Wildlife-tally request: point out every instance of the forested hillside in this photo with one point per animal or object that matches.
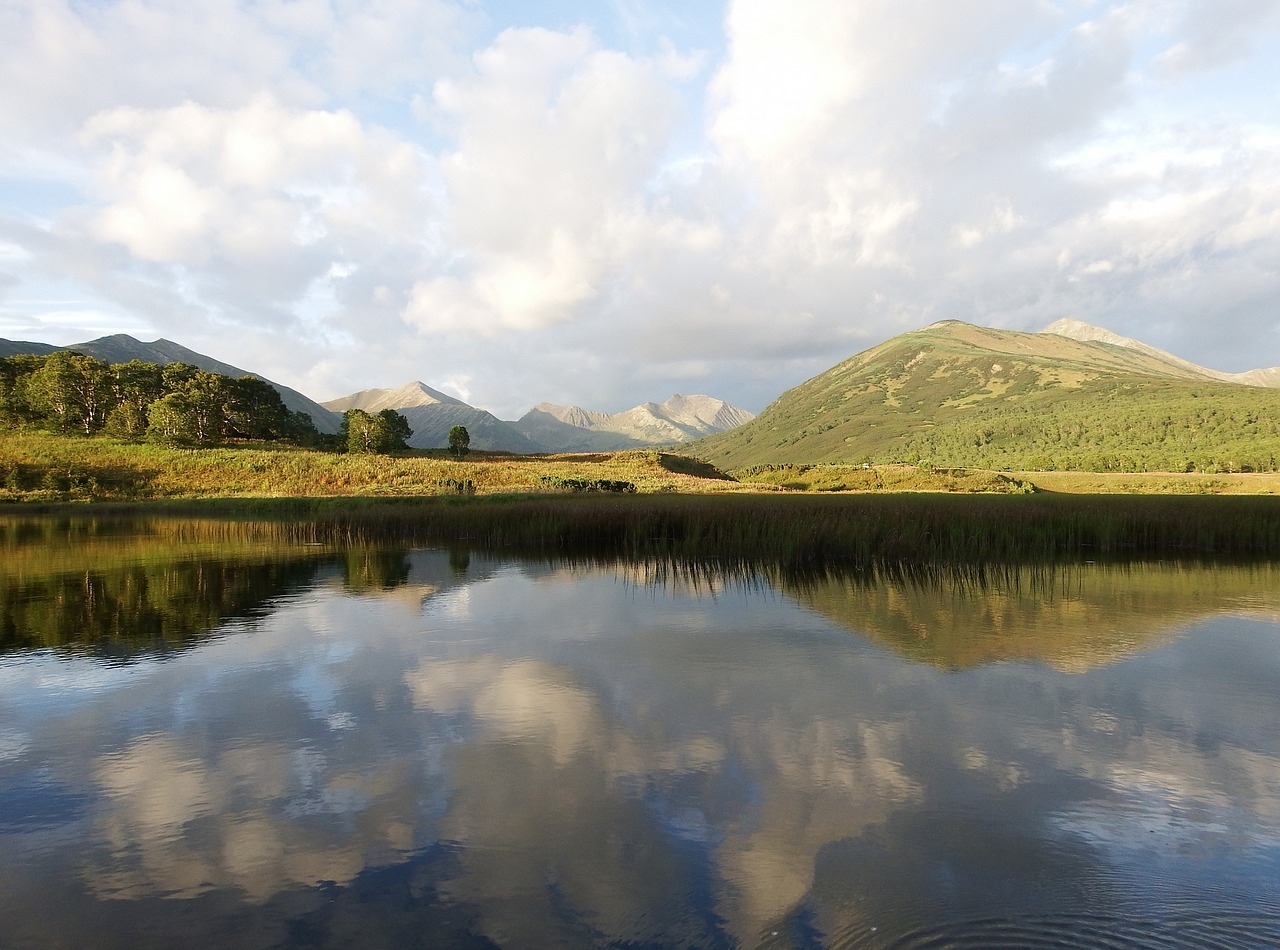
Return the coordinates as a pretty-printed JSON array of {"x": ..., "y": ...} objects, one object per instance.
[{"x": 956, "y": 395}]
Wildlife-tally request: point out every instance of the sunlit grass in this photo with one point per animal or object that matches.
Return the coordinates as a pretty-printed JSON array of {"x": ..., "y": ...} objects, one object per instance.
[{"x": 44, "y": 467}]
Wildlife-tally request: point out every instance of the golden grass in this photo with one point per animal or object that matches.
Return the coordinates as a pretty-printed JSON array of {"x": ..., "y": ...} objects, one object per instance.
[
  {"x": 1153, "y": 483},
  {"x": 40, "y": 467},
  {"x": 44, "y": 467}
]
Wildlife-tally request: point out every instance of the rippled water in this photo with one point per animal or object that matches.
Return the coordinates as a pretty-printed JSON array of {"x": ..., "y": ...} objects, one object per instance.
[{"x": 256, "y": 744}]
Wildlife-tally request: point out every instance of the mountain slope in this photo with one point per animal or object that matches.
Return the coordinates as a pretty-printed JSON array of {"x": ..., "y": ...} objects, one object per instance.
[
  {"x": 1079, "y": 330},
  {"x": 24, "y": 347},
  {"x": 955, "y": 394},
  {"x": 121, "y": 348},
  {"x": 432, "y": 414},
  {"x": 679, "y": 419}
]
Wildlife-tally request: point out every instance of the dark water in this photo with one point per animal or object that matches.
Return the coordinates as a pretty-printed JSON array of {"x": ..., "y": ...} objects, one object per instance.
[{"x": 213, "y": 736}]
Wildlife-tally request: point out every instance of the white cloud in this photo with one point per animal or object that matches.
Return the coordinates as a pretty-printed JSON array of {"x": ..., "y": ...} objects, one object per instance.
[
  {"x": 374, "y": 192},
  {"x": 260, "y": 201},
  {"x": 557, "y": 142},
  {"x": 1215, "y": 33}
]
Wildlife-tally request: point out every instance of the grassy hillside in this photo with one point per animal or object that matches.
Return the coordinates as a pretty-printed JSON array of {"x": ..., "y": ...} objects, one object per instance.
[{"x": 957, "y": 395}]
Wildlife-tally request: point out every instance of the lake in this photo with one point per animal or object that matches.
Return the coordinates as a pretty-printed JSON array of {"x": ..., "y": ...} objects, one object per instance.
[{"x": 212, "y": 734}]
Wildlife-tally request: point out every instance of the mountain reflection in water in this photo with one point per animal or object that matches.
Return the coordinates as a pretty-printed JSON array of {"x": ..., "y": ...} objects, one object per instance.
[{"x": 427, "y": 748}]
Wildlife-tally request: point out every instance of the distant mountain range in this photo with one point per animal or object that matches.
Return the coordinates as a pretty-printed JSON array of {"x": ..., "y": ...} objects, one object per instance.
[
  {"x": 1073, "y": 396},
  {"x": 431, "y": 414},
  {"x": 547, "y": 427},
  {"x": 679, "y": 419}
]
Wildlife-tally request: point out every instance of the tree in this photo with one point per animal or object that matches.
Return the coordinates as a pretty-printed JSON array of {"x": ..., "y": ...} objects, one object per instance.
[
  {"x": 397, "y": 428},
  {"x": 137, "y": 386},
  {"x": 73, "y": 390},
  {"x": 173, "y": 419},
  {"x": 254, "y": 410},
  {"x": 459, "y": 441},
  {"x": 375, "y": 434},
  {"x": 15, "y": 404}
]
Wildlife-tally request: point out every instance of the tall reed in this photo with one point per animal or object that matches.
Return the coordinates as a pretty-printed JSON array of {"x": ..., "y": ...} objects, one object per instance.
[{"x": 792, "y": 530}]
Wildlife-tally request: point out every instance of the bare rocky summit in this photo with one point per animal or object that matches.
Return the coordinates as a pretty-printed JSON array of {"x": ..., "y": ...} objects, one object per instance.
[{"x": 680, "y": 419}]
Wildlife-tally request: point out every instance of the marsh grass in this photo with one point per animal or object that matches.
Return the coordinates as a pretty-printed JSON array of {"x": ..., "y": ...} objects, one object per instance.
[
  {"x": 681, "y": 510},
  {"x": 797, "y": 532}
]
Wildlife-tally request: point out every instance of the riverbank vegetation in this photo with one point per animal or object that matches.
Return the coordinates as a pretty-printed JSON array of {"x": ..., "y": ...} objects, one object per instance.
[{"x": 790, "y": 530}]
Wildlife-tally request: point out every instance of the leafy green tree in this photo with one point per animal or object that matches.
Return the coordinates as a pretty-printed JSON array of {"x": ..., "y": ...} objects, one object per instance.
[
  {"x": 127, "y": 421},
  {"x": 137, "y": 386},
  {"x": 73, "y": 391},
  {"x": 300, "y": 429},
  {"x": 459, "y": 441},
  {"x": 207, "y": 396},
  {"x": 253, "y": 409},
  {"x": 172, "y": 420},
  {"x": 15, "y": 406},
  {"x": 398, "y": 429},
  {"x": 367, "y": 433}
]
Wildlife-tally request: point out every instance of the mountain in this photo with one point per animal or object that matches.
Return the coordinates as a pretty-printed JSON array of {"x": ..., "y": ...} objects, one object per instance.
[
  {"x": 121, "y": 348},
  {"x": 1076, "y": 397},
  {"x": 22, "y": 347},
  {"x": 432, "y": 414},
  {"x": 679, "y": 419},
  {"x": 1079, "y": 330}
]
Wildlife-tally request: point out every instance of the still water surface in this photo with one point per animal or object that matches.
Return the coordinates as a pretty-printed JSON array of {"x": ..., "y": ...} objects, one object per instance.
[{"x": 210, "y": 736}]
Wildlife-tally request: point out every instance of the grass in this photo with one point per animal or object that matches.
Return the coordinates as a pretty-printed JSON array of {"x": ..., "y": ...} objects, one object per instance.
[
  {"x": 791, "y": 531},
  {"x": 1154, "y": 483},
  {"x": 796, "y": 517},
  {"x": 44, "y": 467},
  {"x": 878, "y": 478}
]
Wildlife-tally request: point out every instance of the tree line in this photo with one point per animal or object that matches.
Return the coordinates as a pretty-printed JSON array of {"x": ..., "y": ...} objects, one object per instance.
[
  {"x": 175, "y": 403},
  {"x": 1176, "y": 427}
]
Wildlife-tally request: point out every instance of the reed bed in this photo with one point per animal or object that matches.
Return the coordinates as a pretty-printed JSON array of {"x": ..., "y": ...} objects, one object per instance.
[{"x": 792, "y": 531}]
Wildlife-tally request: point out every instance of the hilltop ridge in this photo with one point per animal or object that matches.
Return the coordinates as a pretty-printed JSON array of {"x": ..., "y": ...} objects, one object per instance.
[{"x": 1079, "y": 330}]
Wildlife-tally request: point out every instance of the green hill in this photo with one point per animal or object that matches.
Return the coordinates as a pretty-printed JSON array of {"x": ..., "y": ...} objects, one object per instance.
[{"x": 953, "y": 395}]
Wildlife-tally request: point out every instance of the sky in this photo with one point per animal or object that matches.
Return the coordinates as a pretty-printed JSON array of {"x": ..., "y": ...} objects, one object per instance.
[{"x": 604, "y": 202}]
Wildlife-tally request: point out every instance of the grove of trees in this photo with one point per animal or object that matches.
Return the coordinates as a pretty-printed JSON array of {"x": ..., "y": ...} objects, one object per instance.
[{"x": 178, "y": 404}]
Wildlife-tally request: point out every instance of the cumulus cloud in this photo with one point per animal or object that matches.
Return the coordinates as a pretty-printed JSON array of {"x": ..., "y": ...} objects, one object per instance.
[
  {"x": 420, "y": 192},
  {"x": 189, "y": 183},
  {"x": 557, "y": 140}
]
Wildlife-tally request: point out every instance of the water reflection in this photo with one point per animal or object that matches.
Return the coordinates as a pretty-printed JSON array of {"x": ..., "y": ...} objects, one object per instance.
[
  {"x": 425, "y": 748},
  {"x": 1072, "y": 616}
]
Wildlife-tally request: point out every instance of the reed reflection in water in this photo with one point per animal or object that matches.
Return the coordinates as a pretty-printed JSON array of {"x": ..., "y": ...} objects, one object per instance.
[{"x": 444, "y": 749}]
